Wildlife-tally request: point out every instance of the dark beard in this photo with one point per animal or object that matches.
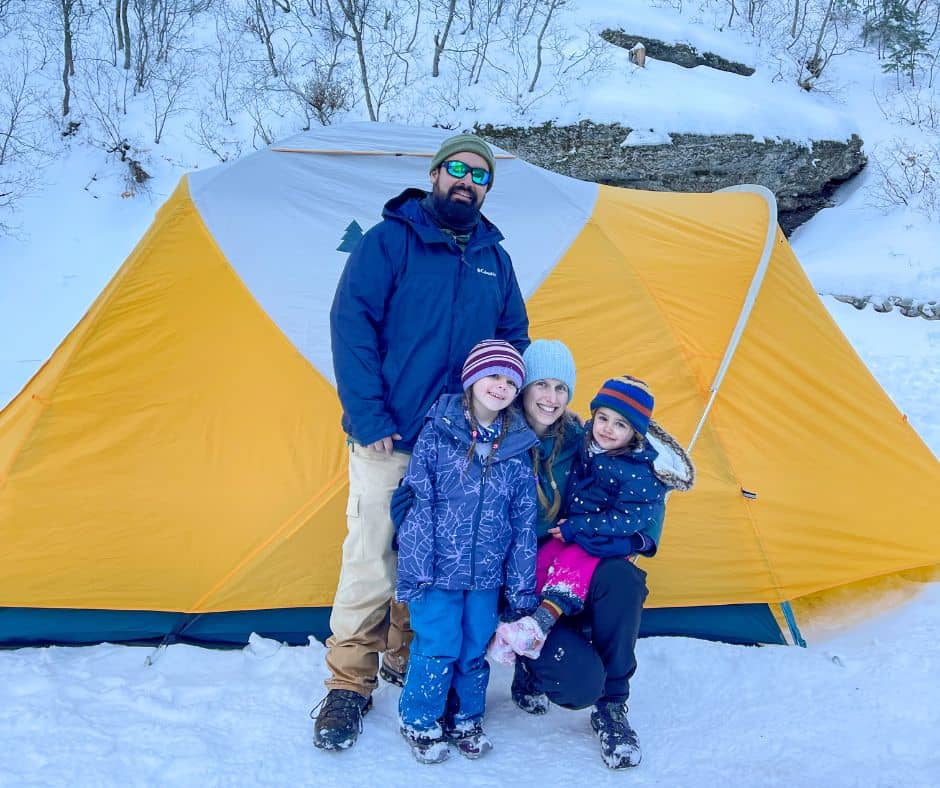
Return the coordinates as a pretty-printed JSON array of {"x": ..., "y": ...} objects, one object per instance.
[{"x": 458, "y": 216}]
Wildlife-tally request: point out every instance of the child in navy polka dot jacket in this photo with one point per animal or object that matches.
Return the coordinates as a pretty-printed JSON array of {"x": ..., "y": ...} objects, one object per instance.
[{"x": 614, "y": 509}]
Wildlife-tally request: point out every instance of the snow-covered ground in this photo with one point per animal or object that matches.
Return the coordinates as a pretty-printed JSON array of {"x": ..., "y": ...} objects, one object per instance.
[{"x": 859, "y": 707}]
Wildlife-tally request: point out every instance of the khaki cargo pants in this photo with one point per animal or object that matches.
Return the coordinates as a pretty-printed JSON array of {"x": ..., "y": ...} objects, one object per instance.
[{"x": 365, "y": 619}]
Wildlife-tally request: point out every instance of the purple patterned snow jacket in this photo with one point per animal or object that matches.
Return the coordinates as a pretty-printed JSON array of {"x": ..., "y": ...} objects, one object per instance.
[{"x": 471, "y": 527}]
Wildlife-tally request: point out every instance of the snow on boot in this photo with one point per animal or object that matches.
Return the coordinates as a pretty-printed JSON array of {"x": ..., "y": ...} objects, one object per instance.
[
  {"x": 339, "y": 721},
  {"x": 427, "y": 746},
  {"x": 469, "y": 739},
  {"x": 620, "y": 748},
  {"x": 524, "y": 693},
  {"x": 390, "y": 673}
]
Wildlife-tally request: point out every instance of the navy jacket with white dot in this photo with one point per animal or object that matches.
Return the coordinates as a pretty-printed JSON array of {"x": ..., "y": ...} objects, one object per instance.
[{"x": 615, "y": 504}]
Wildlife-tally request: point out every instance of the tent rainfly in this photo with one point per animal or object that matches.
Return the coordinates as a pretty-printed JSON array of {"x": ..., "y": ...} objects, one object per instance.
[{"x": 176, "y": 469}]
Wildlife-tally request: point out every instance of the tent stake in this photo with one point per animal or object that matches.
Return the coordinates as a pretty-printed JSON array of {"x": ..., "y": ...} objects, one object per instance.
[{"x": 791, "y": 622}]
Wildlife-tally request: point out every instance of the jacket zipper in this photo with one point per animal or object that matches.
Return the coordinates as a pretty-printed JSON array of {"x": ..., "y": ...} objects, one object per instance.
[
  {"x": 476, "y": 526},
  {"x": 454, "y": 308}
]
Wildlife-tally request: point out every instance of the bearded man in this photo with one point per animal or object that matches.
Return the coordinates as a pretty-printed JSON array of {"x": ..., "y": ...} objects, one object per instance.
[{"x": 421, "y": 288}]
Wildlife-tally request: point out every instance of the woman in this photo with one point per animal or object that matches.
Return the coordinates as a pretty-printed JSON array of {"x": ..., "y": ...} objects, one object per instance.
[{"x": 587, "y": 659}]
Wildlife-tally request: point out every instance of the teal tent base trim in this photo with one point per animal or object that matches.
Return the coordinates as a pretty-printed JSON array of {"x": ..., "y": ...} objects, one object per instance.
[
  {"x": 742, "y": 624},
  {"x": 745, "y": 625},
  {"x": 43, "y": 627}
]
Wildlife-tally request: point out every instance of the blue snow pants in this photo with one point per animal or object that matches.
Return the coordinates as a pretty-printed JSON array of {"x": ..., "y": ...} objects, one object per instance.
[{"x": 447, "y": 670}]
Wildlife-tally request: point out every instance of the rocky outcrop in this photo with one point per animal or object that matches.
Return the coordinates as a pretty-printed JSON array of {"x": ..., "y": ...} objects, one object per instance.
[
  {"x": 803, "y": 177},
  {"x": 909, "y": 307},
  {"x": 684, "y": 55}
]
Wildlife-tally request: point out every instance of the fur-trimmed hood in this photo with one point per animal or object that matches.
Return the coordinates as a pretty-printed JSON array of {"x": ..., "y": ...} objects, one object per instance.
[{"x": 672, "y": 465}]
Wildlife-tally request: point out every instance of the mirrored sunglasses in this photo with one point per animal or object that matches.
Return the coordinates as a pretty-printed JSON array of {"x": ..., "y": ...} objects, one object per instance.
[{"x": 457, "y": 169}]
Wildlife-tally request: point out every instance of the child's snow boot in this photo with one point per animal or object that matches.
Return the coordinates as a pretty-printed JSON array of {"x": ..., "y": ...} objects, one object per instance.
[
  {"x": 427, "y": 746},
  {"x": 524, "y": 693},
  {"x": 620, "y": 748},
  {"x": 469, "y": 739}
]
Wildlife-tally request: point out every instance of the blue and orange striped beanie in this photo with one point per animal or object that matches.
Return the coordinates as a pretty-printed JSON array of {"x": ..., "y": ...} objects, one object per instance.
[{"x": 629, "y": 397}]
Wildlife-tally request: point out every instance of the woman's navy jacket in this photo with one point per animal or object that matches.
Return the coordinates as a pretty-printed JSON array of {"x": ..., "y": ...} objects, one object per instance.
[
  {"x": 469, "y": 528},
  {"x": 408, "y": 308}
]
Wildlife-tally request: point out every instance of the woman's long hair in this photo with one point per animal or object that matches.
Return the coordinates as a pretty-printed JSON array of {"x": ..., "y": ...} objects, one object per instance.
[{"x": 556, "y": 431}]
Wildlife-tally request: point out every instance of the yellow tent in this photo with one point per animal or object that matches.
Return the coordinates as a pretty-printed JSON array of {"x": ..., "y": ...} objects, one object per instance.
[{"x": 177, "y": 466}]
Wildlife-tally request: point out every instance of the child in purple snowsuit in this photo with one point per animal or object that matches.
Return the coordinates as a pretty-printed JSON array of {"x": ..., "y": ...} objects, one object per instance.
[{"x": 468, "y": 537}]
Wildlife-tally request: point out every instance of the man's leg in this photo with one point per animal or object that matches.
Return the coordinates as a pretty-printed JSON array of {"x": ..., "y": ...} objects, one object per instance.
[
  {"x": 367, "y": 578},
  {"x": 395, "y": 659}
]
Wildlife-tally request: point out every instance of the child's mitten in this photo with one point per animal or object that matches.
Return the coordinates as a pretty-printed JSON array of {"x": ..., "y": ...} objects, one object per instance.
[
  {"x": 500, "y": 651},
  {"x": 524, "y": 636}
]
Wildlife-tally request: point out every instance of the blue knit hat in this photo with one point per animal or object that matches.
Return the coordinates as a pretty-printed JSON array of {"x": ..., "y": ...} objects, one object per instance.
[
  {"x": 549, "y": 358},
  {"x": 629, "y": 397}
]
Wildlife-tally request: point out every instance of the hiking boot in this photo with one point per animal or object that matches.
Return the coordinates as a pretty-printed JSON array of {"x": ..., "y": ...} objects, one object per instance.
[
  {"x": 523, "y": 691},
  {"x": 339, "y": 721},
  {"x": 391, "y": 673},
  {"x": 620, "y": 748},
  {"x": 469, "y": 739},
  {"x": 427, "y": 746}
]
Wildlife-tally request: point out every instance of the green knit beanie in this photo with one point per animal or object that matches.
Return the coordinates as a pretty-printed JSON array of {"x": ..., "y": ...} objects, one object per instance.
[{"x": 465, "y": 143}]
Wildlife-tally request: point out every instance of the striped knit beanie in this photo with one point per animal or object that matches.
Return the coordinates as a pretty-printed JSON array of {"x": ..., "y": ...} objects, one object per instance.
[
  {"x": 493, "y": 357},
  {"x": 629, "y": 397}
]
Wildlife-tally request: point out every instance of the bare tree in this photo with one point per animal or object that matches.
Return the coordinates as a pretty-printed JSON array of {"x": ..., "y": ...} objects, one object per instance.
[
  {"x": 22, "y": 153},
  {"x": 167, "y": 89},
  {"x": 356, "y": 13},
  {"x": 260, "y": 24},
  {"x": 815, "y": 64},
  {"x": 162, "y": 25},
  {"x": 440, "y": 38},
  {"x": 123, "y": 28},
  {"x": 67, "y": 10},
  {"x": 104, "y": 93},
  {"x": 550, "y": 7}
]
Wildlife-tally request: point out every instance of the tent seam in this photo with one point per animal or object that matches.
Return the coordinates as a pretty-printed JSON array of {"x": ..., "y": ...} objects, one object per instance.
[
  {"x": 260, "y": 548},
  {"x": 309, "y": 507}
]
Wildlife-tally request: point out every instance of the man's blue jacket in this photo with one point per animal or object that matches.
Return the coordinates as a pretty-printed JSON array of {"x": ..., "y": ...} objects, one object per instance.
[{"x": 408, "y": 308}]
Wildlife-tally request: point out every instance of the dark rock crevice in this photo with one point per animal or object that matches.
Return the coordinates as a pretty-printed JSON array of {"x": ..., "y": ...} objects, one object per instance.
[{"x": 802, "y": 177}]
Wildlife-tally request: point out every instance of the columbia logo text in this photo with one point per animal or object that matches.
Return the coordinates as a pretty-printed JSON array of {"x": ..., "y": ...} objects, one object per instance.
[{"x": 485, "y": 272}]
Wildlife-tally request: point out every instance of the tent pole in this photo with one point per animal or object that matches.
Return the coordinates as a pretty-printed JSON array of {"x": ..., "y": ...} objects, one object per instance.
[
  {"x": 758, "y": 279},
  {"x": 791, "y": 622}
]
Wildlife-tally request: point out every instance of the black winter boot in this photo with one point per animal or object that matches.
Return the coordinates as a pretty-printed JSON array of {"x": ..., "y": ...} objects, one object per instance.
[
  {"x": 339, "y": 721},
  {"x": 620, "y": 748},
  {"x": 523, "y": 691}
]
